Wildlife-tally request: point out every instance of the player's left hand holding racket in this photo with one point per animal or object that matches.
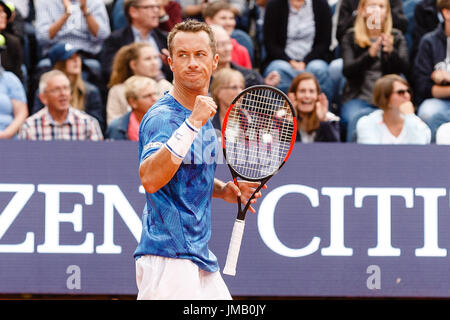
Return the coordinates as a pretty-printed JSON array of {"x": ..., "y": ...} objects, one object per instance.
[{"x": 258, "y": 134}]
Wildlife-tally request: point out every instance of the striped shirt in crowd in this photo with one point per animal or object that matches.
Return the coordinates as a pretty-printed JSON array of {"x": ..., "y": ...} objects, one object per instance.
[{"x": 77, "y": 126}]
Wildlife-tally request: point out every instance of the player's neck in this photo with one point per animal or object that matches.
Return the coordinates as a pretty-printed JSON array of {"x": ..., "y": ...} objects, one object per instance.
[{"x": 185, "y": 96}]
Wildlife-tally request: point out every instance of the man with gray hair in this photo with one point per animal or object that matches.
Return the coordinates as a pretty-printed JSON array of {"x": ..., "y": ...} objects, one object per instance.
[{"x": 58, "y": 120}]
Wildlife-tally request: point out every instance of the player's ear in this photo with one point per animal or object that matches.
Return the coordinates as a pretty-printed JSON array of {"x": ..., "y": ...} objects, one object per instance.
[{"x": 170, "y": 62}]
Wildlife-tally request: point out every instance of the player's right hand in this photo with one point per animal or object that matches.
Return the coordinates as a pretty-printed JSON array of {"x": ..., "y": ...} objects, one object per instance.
[{"x": 204, "y": 108}]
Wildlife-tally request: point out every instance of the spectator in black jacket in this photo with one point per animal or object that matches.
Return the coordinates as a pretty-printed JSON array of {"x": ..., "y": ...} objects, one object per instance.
[
  {"x": 297, "y": 37},
  {"x": 346, "y": 19},
  {"x": 432, "y": 73},
  {"x": 143, "y": 22},
  {"x": 348, "y": 12},
  {"x": 426, "y": 19},
  {"x": 370, "y": 50},
  {"x": 12, "y": 54}
]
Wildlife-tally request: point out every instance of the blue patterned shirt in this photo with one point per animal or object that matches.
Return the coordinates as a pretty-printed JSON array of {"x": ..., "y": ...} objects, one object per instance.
[{"x": 176, "y": 221}]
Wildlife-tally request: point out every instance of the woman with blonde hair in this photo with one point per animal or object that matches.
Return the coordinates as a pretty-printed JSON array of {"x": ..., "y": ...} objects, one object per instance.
[
  {"x": 137, "y": 58},
  {"x": 227, "y": 83},
  {"x": 371, "y": 49},
  {"x": 394, "y": 122}
]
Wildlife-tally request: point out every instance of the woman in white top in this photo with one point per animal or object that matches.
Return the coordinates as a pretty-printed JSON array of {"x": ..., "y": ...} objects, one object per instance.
[{"x": 395, "y": 122}]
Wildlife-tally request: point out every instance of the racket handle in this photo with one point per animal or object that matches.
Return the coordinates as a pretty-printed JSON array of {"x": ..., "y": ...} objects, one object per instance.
[{"x": 235, "y": 246}]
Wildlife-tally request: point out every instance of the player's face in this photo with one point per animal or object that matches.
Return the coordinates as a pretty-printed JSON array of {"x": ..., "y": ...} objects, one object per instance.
[
  {"x": 57, "y": 94},
  {"x": 306, "y": 96},
  {"x": 147, "y": 63},
  {"x": 192, "y": 60}
]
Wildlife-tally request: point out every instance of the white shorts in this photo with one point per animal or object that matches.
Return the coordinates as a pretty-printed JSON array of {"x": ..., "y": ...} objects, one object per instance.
[{"x": 161, "y": 278}]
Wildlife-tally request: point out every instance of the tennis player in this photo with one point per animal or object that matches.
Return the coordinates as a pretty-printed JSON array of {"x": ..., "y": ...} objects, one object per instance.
[{"x": 172, "y": 259}]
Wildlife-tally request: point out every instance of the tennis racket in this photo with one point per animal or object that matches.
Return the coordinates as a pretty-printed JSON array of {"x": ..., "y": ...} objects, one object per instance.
[{"x": 258, "y": 134}]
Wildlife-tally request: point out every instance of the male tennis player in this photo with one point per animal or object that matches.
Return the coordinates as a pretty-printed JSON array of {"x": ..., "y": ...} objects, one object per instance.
[{"x": 177, "y": 146}]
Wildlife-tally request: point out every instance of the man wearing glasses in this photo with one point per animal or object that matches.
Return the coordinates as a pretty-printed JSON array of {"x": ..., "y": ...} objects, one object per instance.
[
  {"x": 143, "y": 22},
  {"x": 58, "y": 120}
]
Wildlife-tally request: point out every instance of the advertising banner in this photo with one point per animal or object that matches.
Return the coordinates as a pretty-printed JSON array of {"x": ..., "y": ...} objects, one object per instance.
[{"x": 338, "y": 220}]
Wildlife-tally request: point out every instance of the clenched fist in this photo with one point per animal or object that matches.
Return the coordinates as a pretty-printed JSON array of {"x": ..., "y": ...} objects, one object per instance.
[{"x": 204, "y": 108}]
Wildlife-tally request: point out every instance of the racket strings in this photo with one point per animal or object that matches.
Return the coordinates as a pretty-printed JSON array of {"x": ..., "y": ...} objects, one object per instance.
[{"x": 258, "y": 133}]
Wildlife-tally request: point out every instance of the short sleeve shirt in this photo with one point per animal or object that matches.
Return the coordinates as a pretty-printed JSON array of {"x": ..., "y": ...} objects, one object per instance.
[{"x": 176, "y": 221}]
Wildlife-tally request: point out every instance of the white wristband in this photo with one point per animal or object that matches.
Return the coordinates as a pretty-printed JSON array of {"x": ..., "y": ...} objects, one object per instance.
[{"x": 181, "y": 140}]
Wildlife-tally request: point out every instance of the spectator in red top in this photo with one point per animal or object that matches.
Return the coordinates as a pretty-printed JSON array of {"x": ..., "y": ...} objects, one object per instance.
[{"x": 222, "y": 14}]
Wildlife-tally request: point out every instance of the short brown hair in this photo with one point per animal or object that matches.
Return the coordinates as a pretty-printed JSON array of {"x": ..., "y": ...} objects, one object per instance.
[
  {"x": 442, "y": 4},
  {"x": 383, "y": 89},
  {"x": 194, "y": 26},
  {"x": 127, "y": 4},
  {"x": 212, "y": 8}
]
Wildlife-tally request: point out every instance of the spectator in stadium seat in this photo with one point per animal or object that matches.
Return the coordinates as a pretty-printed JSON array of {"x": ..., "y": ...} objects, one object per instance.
[
  {"x": 221, "y": 13},
  {"x": 85, "y": 95},
  {"x": 143, "y": 22},
  {"x": 370, "y": 50},
  {"x": 58, "y": 120},
  {"x": 297, "y": 37},
  {"x": 194, "y": 8},
  {"x": 394, "y": 122},
  {"x": 11, "y": 48},
  {"x": 346, "y": 15},
  {"x": 314, "y": 122},
  {"x": 426, "y": 19},
  {"x": 170, "y": 14},
  {"x": 82, "y": 23},
  {"x": 13, "y": 104},
  {"x": 432, "y": 73},
  {"x": 251, "y": 76},
  {"x": 227, "y": 83},
  {"x": 349, "y": 10},
  {"x": 138, "y": 58},
  {"x": 140, "y": 93}
]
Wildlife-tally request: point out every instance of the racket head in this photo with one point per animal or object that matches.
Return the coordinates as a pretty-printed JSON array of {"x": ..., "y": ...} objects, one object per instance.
[{"x": 258, "y": 132}]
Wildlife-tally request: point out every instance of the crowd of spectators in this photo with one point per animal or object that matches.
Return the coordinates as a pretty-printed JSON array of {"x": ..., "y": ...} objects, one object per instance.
[{"x": 364, "y": 71}]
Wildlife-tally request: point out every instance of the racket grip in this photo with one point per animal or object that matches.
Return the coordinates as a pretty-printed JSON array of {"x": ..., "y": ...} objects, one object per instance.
[{"x": 235, "y": 246}]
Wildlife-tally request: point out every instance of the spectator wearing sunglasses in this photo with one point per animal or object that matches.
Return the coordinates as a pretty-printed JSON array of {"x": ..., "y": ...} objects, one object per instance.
[{"x": 394, "y": 122}]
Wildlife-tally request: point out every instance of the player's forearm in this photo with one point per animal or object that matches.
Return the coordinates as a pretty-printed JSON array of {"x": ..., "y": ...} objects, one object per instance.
[{"x": 158, "y": 169}]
